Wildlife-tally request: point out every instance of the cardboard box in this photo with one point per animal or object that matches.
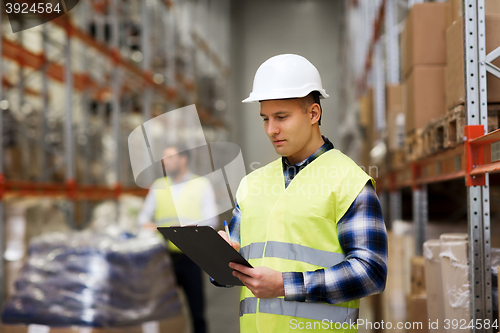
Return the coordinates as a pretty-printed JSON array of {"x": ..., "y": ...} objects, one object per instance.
[
  {"x": 423, "y": 41},
  {"x": 424, "y": 96},
  {"x": 417, "y": 313},
  {"x": 366, "y": 122},
  {"x": 455, "y": 76},
  {"x": 455, "y": 10},
  {"x": 433, "y": 282},
  {"x": 395, "y": 117},
  {"x": 455, "y": 277},
  {"x": 171, "y": 325},
  {"x": 394, "y": 98},
  {"x": 417, "y": 276}
]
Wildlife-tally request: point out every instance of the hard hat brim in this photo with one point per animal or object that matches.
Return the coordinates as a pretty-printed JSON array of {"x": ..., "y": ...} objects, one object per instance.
[{"x": 253, "y": 98}]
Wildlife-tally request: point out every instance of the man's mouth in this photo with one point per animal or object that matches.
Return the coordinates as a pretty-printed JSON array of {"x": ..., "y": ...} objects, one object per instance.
[{"x": 278, "y": 142}]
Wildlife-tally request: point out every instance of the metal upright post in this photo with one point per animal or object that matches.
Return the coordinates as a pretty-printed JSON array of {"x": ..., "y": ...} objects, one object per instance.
[
  {"x": 170, "y": 47},
  {"x": 396, "y": 211},
  {"x": 477, "y": 195},
  {"x": 23, "y": 139},
  {"x": 379, "y": 88},
  {"x": 391, "y": 42},
  {"x": 68, "y": 131},
  {"x": 45, "y": 110},
  {"x": 420, "y": 217},
  {"x": 84, "y": 12},
  {"x": 116, "y": 96},
  {"x": 146, "y": 61},
  {"x": 392, "y": 77},
  {"x": 2, "y": 180}
]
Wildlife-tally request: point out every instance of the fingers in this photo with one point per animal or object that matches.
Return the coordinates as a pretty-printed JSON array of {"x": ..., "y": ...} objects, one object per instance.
[
  {"x": 241, "y": 268},
  {"x": 224, "y": 235},
  {"x": 236, "y": 245}
]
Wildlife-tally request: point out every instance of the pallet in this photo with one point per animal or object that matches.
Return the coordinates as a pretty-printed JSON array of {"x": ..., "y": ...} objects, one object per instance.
[
  {"x": 414, "y": 145},
  {"x": 397, "y": 159},
  {"x": 493, "y": 117},
  {"x": 432, "y": 137},
  {"x": 454, "y": 124}
]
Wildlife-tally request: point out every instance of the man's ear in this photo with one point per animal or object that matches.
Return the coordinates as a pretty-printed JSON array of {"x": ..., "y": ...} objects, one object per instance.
[{"x": 315, "y": 113}]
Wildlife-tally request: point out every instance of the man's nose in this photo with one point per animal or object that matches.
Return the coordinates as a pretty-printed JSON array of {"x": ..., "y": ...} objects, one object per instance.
[{"x": 272, "y": 128}]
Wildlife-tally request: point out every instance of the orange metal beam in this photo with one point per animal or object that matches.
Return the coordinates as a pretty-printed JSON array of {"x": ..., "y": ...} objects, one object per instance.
[
  {"x": 473, "y": 155},
  {"x": 26, "y": 58},
  {"x": 71, "y": 190}
]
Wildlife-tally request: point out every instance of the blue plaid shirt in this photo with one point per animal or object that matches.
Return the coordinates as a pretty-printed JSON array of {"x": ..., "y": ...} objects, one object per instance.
[{"x": 363, "y": 238}]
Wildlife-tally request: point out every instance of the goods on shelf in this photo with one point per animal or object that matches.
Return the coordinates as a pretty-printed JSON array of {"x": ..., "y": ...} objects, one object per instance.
[
  {"x": 398, "y": 285},
  {"x": 366, "y": 122},
  {"x": 455, "y": 91},
  {"x": 455, "y": 278},
  {"x": 414, "y": 145},
  {"x": 170, "y": 325},
  {"x": 423, "y": 38},
  {"x": 424, "y": 96},
  {"x": 100, "y": 279},
  {"x": 395, "y": 117},
  {"x": 417, "y": 313},
  {"x": 417, "y": 299},
  {"x": 432, "y": 266},
  {"x": 417, "y": 276}
]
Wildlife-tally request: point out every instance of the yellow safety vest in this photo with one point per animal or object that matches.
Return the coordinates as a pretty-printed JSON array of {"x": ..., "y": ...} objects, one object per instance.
[
  {"x": 188, "y": 205},
  {"x": 295, "y": 230}
]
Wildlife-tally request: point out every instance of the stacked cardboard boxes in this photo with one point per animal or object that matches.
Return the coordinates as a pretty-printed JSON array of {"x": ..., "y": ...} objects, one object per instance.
[
  {"x": 417, "y": 300},
  {"x": 398, "y": 285},
  {"x": 395, "y": 123},
  {"x": 446, "y": 279},
  {"x": 366, "y": 122},
  {"x": 423, "y": 64}
]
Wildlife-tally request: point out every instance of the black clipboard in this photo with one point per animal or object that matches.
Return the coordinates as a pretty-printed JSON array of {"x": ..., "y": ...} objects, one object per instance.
[{"x": 208, "y": 250}]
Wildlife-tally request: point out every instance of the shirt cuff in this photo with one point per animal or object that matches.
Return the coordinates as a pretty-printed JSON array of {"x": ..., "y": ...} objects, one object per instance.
[{"x": 293, "y": 282}]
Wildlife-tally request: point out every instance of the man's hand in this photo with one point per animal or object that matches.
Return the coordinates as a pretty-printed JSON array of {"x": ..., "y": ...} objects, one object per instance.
[
  {"x": 235, "y": 245},
  {"x": 262, "y": 281}
]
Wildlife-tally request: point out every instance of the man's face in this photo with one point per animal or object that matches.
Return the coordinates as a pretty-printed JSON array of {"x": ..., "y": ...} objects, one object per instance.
[
  {"x": 172, "y": 161},
  {"x": 287, "y": 125}
]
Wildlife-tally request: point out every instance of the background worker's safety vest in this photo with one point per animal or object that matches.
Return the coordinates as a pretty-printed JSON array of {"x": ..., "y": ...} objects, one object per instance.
[
  {"x": 295, "y": 230},
  {"x": 189, "y": 203}
]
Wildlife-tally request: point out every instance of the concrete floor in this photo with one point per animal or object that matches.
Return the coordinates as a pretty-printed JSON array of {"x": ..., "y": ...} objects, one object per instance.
[{"x": 221, "y": 308}]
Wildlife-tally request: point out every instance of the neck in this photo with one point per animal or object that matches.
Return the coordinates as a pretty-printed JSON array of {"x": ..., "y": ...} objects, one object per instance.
[
  {"x": 314, "y": 144},
  {"x": 178, "y": 176}
]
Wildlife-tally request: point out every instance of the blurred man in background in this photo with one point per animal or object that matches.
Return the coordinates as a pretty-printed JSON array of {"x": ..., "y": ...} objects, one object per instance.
[{"x": 194, "y": 204}]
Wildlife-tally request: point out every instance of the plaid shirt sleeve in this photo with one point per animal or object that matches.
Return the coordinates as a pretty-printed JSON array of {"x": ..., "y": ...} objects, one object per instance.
[{"x": 363, "y": 237}]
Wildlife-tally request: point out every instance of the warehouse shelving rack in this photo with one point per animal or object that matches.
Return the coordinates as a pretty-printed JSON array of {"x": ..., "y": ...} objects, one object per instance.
[
  {"x": 472, "y": 160},
  {"x": 125, "y": 77}
]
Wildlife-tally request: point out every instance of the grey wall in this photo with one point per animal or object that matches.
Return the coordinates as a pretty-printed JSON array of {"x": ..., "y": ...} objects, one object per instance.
[{"x": 262, "y": 29}]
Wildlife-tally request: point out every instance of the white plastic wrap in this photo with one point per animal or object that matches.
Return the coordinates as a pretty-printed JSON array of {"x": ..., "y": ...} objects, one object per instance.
[{"x": 93, "y": 279}]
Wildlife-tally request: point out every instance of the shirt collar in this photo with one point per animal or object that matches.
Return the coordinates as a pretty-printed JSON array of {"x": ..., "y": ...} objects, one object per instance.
[{"x": 323, "y": 149}]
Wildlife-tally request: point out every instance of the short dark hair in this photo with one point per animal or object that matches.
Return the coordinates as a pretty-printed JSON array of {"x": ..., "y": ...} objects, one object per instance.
[{"x": 311, "y": 98}]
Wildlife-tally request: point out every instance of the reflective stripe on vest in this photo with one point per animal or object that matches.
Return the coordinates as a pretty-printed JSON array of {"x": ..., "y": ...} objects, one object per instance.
[
  {"x": 292, "y": 252},
  {"x": 313, "y": 311}
]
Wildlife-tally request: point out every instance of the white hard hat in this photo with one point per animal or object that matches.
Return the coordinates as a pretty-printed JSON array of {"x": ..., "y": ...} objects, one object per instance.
[{"x": 285, "y": 76}]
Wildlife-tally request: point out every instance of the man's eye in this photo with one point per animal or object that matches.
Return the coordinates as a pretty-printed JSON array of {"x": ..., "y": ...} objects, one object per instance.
[
  {"x": 281, "y": 117},
  {"x": 265, "y": 119}
]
